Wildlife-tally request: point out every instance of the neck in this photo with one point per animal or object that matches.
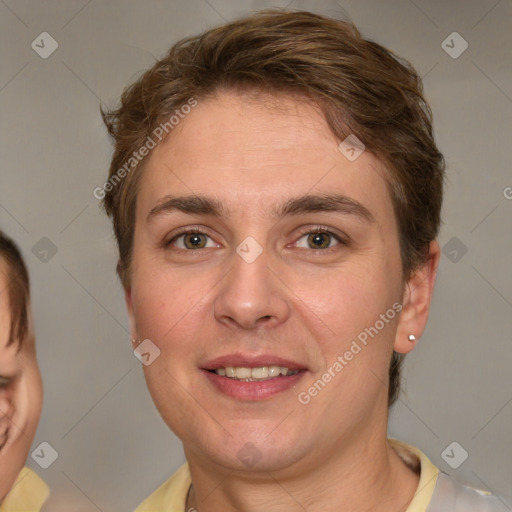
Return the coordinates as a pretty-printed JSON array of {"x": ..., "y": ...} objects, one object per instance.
[{"x": 358, "y": 476}]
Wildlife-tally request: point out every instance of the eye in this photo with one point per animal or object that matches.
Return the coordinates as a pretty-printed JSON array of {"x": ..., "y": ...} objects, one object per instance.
[
  {"x": 5, "y": 382},
  {"x": 191, "y": 239},
  {"x": 319, "y": 238}
]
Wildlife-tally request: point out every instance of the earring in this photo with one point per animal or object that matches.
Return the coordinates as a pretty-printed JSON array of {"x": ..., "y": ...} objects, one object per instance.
[{"x": 412, "y": 338}]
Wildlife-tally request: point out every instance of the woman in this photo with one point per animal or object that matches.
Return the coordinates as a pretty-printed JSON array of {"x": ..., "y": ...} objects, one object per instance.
[
  {"x": 275, "y": 191},
  {"x": 20, "y": 386}
]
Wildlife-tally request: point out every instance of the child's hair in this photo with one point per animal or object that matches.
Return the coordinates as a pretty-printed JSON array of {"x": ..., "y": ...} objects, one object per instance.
[{"x": 17, "y": 288}]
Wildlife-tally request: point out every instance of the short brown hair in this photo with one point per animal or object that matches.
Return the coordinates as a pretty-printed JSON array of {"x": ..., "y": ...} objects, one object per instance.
[
  {"x": 361, "y": 88},
  {"x": 17, "y": 288}
]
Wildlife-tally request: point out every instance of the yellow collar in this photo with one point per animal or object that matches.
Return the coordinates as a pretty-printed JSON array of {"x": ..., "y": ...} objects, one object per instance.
[
  {"x": 428, "y": 474},
  {"x": 28, "y": 493}
]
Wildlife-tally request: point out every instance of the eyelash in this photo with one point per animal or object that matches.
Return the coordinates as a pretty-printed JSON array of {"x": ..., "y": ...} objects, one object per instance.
[{"x": 306, "y": 231}]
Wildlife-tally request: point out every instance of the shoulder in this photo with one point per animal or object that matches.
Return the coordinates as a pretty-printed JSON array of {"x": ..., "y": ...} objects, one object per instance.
[
  {"x": 452, "y": 495},
  {"x": 171, "y": 495}
]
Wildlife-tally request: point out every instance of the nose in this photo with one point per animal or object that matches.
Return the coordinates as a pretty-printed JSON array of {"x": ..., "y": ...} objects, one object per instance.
[{"x": 251, "y": 295}]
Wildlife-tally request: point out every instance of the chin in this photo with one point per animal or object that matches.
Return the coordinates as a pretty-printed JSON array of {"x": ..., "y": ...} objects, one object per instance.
[
  {"x": 251, "y": 459},
  {"x": 252, "y": 451}
]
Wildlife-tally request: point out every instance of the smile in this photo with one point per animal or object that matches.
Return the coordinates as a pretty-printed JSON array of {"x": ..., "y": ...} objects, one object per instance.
[{"x": 260, "y": 373}]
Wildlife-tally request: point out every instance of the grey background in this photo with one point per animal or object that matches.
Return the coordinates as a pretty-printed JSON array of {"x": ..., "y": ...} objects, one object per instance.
[{"x": 113, "y": 448}]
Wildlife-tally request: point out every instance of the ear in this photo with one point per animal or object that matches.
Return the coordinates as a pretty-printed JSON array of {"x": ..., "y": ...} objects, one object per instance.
[
  {"x": 131, "y": 314},
  {"x": 416, "y": 301}
]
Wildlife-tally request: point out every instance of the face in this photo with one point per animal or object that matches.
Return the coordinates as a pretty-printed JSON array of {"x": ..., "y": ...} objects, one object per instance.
[
  {"x": 259, "y": 246},
  {"x": 20, "y": 394}
]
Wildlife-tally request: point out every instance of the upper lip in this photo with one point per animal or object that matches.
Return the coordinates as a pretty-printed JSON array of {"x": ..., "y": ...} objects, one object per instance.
[{"x": 251, "y": 361}]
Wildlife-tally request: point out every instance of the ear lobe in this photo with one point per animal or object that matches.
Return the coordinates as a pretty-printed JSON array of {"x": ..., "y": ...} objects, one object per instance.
[{"x": 416, "y": 302}]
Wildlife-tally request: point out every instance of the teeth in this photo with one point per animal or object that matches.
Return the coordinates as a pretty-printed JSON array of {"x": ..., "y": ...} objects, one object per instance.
[
  {"x": 252, "y": 374},
  {"x": 259, "y": 373},
  {"x": 243, "y": 373},
  {"x": 274, "y": 371}
]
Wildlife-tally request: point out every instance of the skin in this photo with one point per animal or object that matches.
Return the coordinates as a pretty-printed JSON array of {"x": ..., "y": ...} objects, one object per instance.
[
  {"x": 294, "y": 301},
  {"x": 20, "y": 396}
]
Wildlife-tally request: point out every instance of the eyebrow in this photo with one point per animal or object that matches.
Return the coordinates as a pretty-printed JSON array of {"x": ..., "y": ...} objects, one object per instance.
[{"x": 203, "y": 205}]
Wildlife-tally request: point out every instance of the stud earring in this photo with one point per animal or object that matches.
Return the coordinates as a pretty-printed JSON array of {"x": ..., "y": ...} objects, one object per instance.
[{"x": 412, "y": 338}]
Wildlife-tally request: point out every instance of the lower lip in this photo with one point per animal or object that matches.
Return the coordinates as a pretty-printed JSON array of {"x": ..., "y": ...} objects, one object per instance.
[{"x": 255, "y": 390}]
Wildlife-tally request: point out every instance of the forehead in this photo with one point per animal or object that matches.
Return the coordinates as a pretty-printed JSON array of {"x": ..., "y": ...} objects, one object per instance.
[
  {"x": 5, "y": 311},
  {"x": 250, "y": 151}
]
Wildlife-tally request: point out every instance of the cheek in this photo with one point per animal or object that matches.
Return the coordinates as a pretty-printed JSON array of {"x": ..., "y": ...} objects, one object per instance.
[
  {"x": 35, "y": 385},
  {"x": 27, "y": 402},
  {"x": 171, "y": 307},
  {"x": 346, "y": 300},
  {"x": 5, "y": 417},
  {"x": 162, "y": 303},
  {"x": 21, "y": 410},
  {"x": 343, "y": 311}
]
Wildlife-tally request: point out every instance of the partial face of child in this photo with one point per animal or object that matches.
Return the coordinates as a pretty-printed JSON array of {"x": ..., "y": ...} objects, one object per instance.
[{"x": 20, "y": 392}]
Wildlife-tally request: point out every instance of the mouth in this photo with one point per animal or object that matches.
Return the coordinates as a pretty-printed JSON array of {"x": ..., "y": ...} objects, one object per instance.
[{"x": 250, "y": 378}]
